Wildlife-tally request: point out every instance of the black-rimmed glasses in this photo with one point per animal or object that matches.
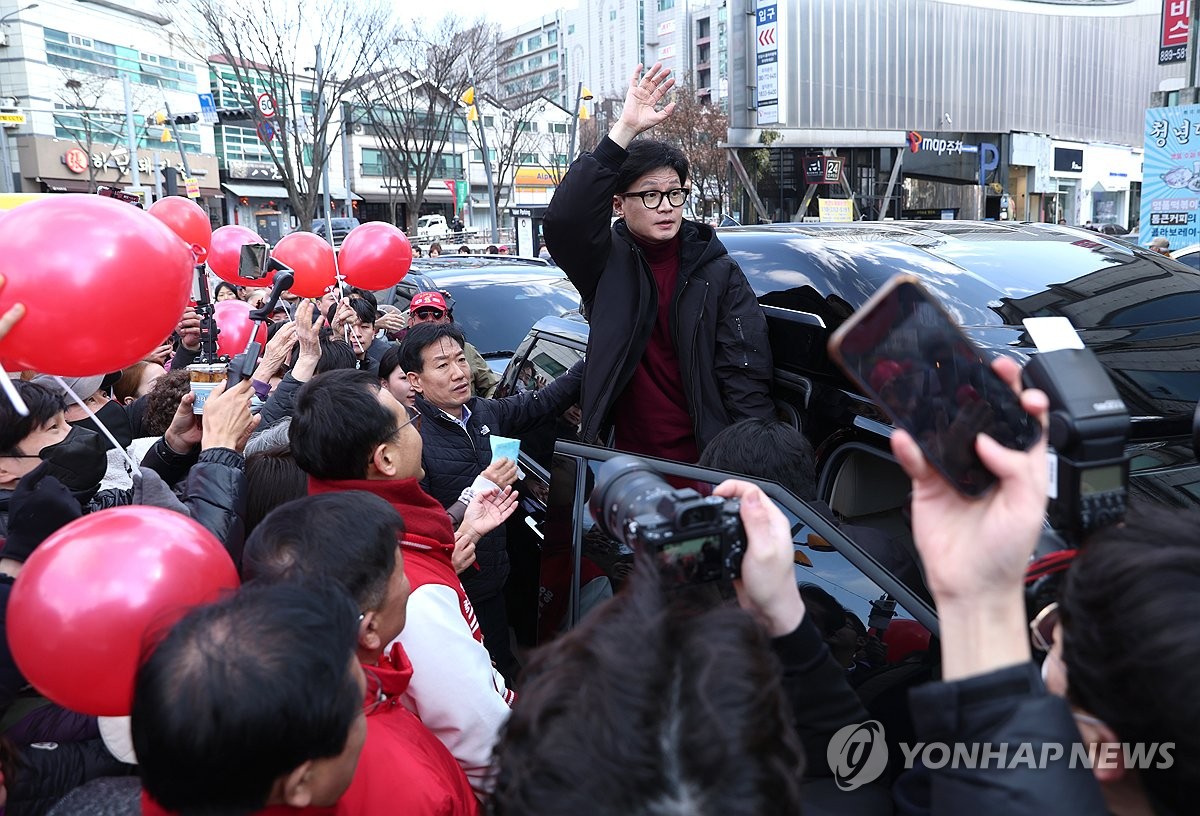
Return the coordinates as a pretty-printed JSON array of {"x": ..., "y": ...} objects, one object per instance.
[{"x": 652, "y": 198}]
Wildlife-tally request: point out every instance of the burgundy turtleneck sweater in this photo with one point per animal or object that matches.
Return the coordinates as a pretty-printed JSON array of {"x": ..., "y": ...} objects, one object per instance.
[{"x": 651, "y": 415}]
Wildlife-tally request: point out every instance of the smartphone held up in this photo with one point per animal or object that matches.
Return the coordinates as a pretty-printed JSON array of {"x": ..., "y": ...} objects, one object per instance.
[{"x": 909, "y": 356}]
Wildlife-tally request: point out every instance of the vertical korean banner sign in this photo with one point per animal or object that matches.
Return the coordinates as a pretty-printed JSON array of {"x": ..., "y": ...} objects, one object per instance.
[{"x": 1171, "y": 176}]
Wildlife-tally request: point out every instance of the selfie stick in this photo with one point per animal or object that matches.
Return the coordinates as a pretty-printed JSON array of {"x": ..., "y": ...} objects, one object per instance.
[
  {"x": 208, "y": 319},
  {"x": 243, "y": 365}
]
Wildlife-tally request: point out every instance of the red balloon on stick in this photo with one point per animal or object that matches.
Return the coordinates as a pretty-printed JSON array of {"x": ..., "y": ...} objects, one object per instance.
[
  {"x": 90, "y": 594},
  {"x": 129, "y": 272},
  {"x": 186, "y": 219},
  {"x": 225, "y": 255},
  {"x": 375, "y": 255},
  {"x": 234, "y": 324},
  {"x": 311, "y": 258}
]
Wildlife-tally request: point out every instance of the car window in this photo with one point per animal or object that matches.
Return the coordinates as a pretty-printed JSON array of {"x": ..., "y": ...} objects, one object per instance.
[
  {"x": 498, "y": 314},
  {"x": 546, "y": 360},
  {"x": 818, "y": 561},
  {"x": 1191, "y": 260}
]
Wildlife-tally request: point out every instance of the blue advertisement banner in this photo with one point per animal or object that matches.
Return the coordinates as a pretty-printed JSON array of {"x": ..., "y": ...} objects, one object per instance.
[{"x": 1171, "y": 176}]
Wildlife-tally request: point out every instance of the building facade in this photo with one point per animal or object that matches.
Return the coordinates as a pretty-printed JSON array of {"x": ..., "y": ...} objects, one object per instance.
[
  {"x": 905, "y": 92},
  {"x": 66, "y": 64},
  {"x": 529, "y": 62}
]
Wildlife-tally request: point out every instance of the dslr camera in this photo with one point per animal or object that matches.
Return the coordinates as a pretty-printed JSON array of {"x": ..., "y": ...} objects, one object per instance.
[{"x": 695, "y": 539}]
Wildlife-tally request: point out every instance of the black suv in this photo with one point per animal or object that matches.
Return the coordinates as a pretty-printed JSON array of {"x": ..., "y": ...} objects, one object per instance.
[{"x": 1137, "y": 310}]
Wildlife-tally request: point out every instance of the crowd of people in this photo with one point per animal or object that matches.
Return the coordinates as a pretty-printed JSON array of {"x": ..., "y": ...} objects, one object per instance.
[{"x": 367, "y": 664}]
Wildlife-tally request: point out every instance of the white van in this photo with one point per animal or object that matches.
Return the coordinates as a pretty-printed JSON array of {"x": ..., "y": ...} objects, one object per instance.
[{"x": 432, "y": 226}]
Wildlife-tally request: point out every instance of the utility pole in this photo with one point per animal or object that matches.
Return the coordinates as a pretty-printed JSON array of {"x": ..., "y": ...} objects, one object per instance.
[
  {"x": 135, "y": 175},
  {"x": 580, "y": 96},
  {"x": 347, "y": 154},
  {"x": 487, "y": 164},
  {"x": 319, "y": 154}
]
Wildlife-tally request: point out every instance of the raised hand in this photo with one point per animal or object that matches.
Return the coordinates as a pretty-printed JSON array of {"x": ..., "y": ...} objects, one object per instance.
[
  {"x": 488, "y": 510},
  {"x": 641, "y": 111}
]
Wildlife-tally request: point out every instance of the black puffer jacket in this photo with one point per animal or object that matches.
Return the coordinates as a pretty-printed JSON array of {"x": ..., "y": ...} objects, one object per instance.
[
  {"x": 214, "y": 493},
  {"x": 453, "y": 456},
  {"x": 719, "y": 330}
]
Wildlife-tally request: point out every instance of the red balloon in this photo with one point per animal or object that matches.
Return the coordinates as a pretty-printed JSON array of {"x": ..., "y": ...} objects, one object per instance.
[
  {"x": 188, "y": 220},
  {"x": 103, "y": 282},
  {"x": 89, "y": 597},
  {"x": 311, "y": 258},
  {"x": 375, "y": 255},
  {"x": 225, "y": 254},
  {"x": 234, "y": 325}
]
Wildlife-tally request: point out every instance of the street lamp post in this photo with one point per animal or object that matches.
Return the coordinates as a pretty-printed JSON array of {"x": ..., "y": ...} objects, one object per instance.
[
  {"x": 581, "y": 94},
  {"x": 6, "y": 168}
]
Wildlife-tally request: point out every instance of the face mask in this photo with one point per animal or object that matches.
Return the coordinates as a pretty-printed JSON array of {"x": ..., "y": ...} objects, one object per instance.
[
  {"x": 112, "y": 415},
  {"x": 79, "y": 461}
]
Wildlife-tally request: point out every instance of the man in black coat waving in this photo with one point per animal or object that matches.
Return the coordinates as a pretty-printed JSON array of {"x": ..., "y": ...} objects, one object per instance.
[
  {"x": 456, "y": 428},
  {"x": 678, "y": 347}
]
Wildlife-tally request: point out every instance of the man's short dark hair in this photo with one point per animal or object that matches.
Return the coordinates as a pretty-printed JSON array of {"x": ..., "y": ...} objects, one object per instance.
[
  {"x": 350, "y": 536},
  {"x": 390, "y": 360},
  {"x": 648, "y": 155},
  {"x": 367, "y": 295},
  {"x": 242, "y": 692},
  {"x": 1132, "y": 658},
  {"x": 44, "y": 404},
  {"x": 336, "y": 354},
  {"x": 337, "y": 423},
  {"x": 422, "y": 336},
  {"x": 765, "y": 449},
  {"x": 692, "y": 702}
]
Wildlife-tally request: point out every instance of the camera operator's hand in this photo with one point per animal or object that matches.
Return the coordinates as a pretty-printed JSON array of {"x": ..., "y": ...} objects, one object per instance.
[
  {"x": 975, "y": 551},
  {"x": 308, "y": 337},
  {"x": 640, "y": 112},
  {"x": 501, "y": 472},
  {"x": 189, "y": 329},
  {"x": 276, "y": 353},
  {"x": 185, "y": 431},
  {"x": 767, "y": 588},
  {"x": 160, "y": 354},
  {"x": 228, "y": 421}
]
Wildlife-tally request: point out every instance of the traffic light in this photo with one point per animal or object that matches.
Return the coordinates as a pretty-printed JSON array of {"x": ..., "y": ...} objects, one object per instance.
[
  {"x": 187, "y": 118},
  {"x": 235, "y": 114}
]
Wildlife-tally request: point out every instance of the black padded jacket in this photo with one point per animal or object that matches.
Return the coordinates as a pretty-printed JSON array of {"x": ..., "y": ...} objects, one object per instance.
[
  {"x": 720, "y": 331},
  {"x": 453, "y": 456}
]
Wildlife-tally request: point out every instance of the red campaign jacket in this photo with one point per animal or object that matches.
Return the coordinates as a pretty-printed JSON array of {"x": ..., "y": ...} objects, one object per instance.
[
  {"x": 403, "y": 767},
  {"x": 455, "y": 690}
]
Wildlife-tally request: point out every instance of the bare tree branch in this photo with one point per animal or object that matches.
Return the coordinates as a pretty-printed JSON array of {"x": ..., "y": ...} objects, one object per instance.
[
  {"x": 270, "y": 46},
  {"x": 410, "y": 100}
]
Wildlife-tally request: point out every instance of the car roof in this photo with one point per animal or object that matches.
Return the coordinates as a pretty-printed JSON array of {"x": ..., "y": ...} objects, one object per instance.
[
  {"x": 1139, "y": 311},
  {"x": 573, "y": 327},
  {"x": 467, "y": 270}
]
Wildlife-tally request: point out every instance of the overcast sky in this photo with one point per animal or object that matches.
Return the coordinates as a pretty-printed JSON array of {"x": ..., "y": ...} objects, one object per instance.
[{"x": 506, "y": 13}]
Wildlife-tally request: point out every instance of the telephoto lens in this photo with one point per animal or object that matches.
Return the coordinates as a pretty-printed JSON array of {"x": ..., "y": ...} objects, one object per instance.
[{"x": 625, "y": 489}]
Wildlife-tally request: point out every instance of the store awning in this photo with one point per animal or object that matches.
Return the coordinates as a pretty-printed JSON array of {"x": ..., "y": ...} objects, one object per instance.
[{"x": 251, "y": 190}]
